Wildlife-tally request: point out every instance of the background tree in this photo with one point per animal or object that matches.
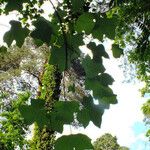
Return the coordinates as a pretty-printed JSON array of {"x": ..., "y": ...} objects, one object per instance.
[
  {"x": 13, "y": 130},
  {"x": 107, "y": 142},
  {"x": 146, "y": 112}
]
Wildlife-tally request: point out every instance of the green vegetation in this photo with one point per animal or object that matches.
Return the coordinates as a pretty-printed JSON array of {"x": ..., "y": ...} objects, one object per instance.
[
  {"x": 108, "y": 142},
  {"x": 62, "y": 34},
  {"x": 13, "y": 128}
]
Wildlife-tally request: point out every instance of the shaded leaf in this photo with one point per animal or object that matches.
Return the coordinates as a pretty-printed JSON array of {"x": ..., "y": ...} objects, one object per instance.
[
  {"x": 16, "y": 33},
  {"x": 91, "y": 67},
  {"x": 77, "y": 5},
  {"x": 43, "y": 31},
  {"x": 95, "y": 112},
  {"x": 104, "y": 79},
  {"x": 58, "y": 57},
  {"x": 74, "y": 41},
  {"x": 63, "y": 113},
  {"x": 85, "y": 23},
  {"x": 105, "y": 26},
  {"x": 117, "y": 51},
  {"x": 34, "y": 112},
  {"x": 98, "y": 51},
  {"x": 14, "y": 5},
  {"x": 100, "y": 91},
  {"x": 71, "y": 142},
  {"x": 83, "y": 117}
]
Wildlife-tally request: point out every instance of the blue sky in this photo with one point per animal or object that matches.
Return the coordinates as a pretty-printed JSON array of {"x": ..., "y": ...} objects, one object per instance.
[{"x": 141, "y": 143}]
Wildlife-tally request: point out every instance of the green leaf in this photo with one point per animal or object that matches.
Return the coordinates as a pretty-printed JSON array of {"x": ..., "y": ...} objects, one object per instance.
[
  {"x": 85, "y": 23},
  {"x": 91, "y": 67},
  {"x": 58, "y": 57},
  {"x": 14, "y": 5},
  {"x": 105, "y": 26},
  {"x": 63, "y": 113},
  {"x": 71, "y": 142},
  {"x": 83, "y": 117},
  {"x": 74, "y": 41},
  {"x": 95, "y": 112},
  {"x": 117, "y": 51},
  {"x": 98, "y": 51},
  {"x": 77, "y": 5},
  {"x": 43, "y": 31},
  {"x": 16, "y": 33},
  {"x": 109, "y": 99},
  {"x": 101, "y": 91},
  {"x": 103, "y": 79},
  {"x": 34, "y": 112}
]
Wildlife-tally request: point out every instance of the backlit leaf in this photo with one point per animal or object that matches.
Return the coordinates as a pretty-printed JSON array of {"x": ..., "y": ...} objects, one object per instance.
[
  {"x": 58, "y": 57},
  {"x": 117, "y": 51},
  {"x": 95, "y": 112},
  {"x": 101, "y": 91},
  {"x": 91, "y": 67},
  {"x": 34, "y": 113},
  {"x": 63, "y": 114},
  {"x": 73, "y": 142},
  {"x": 98, "y": 51},
  {"x": 43, "y": 30},
  {"x": 77, "y": 5},
  {"x": 83, "y": 117},
  {"x": 105, "y": 26},
  {"x": 14, "y": 5},
  {"x": 85, "y": 23},
  {"x": 16, "y": 33}
]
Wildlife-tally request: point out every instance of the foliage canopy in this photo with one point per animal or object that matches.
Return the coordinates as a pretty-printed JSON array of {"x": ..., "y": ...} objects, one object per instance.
[{"x": 64, "y": 33}]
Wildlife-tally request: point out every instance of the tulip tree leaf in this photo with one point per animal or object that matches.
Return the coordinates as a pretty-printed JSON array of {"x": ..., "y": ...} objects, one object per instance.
[
  {"x": 101, "y": 91},
  {"x": 16, "y": 33},
  {"x": 63, "y": 113},
  {"x": 98, "y": 51},
  {"x": 91, "y": 67},
  {"x": 117, "y": 51},
  {"x": 85, "y": 23},
  {"x": 58, "y": 57},
  {"x": 74, "y": 141},
  {"x": 34, "y": 113},
  {"x": 105, "y": 26},
  {"x": 83, "y": 117},
  {"x": 43, "y": 31},
  {"x": 94, "y": 112},
  {"x": 14, "y": 5},
  {"x": 77, "y": 5}
]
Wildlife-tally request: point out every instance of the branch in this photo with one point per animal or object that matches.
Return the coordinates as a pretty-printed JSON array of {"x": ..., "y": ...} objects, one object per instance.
[{"x": 64, "y": 34}]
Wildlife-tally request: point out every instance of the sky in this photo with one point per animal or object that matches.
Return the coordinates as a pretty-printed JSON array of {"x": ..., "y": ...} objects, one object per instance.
[{"x": 123, "y": 120}]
